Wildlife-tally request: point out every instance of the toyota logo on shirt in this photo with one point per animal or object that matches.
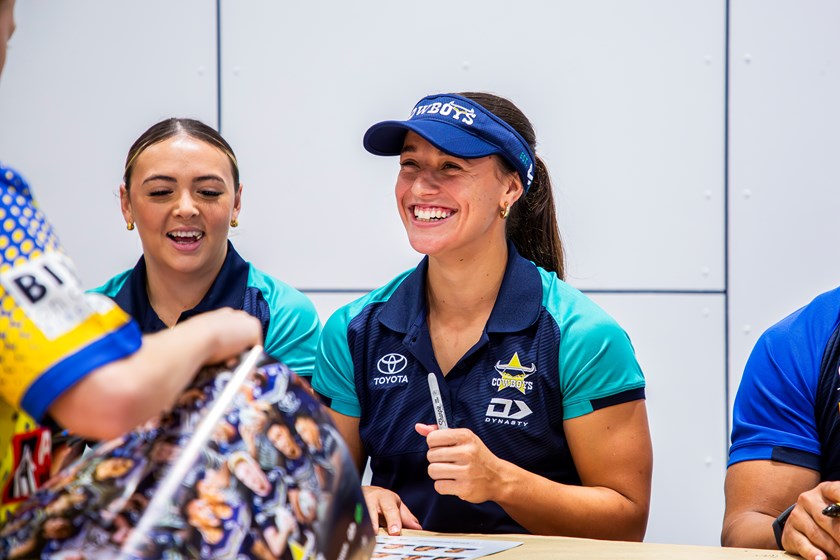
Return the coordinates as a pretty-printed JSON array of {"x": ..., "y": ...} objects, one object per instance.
[{"x": 389, "y": 364}]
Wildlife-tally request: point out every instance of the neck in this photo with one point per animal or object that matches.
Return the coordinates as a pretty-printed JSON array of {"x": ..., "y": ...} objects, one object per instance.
[
  {"x": 466, "y": 285},
  {"x": 172, "y": 292}
]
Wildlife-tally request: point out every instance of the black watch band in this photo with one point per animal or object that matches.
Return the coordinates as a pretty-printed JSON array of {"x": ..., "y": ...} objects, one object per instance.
[{"x": 779, "y": 526}]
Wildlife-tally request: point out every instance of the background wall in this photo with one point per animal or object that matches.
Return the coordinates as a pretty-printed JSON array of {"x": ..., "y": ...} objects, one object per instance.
[{"x": 692, "y": 146}]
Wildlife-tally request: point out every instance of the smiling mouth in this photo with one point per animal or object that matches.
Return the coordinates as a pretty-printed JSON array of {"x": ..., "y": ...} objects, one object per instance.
[
  {"x": 432, "y": 214},
  {"x": 185, "y": 236}
]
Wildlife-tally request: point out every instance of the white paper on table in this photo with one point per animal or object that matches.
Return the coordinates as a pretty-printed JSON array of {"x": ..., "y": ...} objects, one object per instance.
[{"x": 440, "y": 548}]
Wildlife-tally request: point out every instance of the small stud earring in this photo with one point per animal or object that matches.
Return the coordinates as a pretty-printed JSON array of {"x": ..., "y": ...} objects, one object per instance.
[
  {"x": 234, "y": 223},
  {"x": 129, "y": 226},
  {"x": 505, "y": 212}
]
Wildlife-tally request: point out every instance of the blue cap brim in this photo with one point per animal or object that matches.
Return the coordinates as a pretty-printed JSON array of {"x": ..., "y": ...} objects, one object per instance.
[
  {"x": 458, "y": 126},
  {"x": 386, "y": 139}
]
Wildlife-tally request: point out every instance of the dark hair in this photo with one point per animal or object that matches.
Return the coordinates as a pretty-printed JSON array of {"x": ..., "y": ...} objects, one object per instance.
[
  {"x": 532, "y": 224},
  {"x": 168, "y": 128}
]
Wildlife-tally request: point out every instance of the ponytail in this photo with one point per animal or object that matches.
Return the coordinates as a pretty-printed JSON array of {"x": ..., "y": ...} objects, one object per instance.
[{"x": 532, "y": 224}]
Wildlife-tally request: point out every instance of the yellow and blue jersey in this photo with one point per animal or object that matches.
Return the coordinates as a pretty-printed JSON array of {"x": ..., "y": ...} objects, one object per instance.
[{"x": 51, "y": 335}]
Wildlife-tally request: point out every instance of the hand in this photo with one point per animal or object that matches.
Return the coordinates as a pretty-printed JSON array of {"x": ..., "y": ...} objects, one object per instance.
[
  {"x": 394, "y": 514},
  {"x": 808, "y": 532},
  {"x": 460, "y": 463},
  {"x": 228, "y": 332}
]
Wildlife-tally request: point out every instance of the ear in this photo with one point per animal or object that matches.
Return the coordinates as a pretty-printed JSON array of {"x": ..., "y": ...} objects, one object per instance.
[
  {"x": 237, "y": 202},
  {"x": 513, "y": 190},
  {"x": 125, "y": 204}
]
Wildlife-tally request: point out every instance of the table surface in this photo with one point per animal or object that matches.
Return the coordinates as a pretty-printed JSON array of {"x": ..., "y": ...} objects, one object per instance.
[{"x": 538, "y": 547}]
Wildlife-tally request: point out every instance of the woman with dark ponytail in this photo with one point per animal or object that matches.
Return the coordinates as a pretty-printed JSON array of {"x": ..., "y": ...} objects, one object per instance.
[{"x": 539, "y": 388}]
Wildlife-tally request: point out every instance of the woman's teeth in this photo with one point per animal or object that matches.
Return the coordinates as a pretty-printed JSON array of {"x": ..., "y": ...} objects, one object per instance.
[
  {"x": 186, "y": 236},
  {"x": 429, "y": 214}
]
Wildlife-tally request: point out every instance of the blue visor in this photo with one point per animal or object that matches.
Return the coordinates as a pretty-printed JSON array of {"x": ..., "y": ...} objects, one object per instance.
[{"x": 458, "y": 126}]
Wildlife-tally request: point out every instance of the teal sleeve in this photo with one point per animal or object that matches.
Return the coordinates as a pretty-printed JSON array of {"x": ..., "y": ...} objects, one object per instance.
[
  {"x": 112, "y": 287},
  {"x": 293, "y": 330},
  {"x": 597, "y": 359},
  {"x": 334, "y": 376}
]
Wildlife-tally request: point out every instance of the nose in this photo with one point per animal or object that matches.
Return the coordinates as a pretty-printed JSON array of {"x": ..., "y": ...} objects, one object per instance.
[
  {"x": 186, "y": 207},
  {"x": 424, "y": 183}
]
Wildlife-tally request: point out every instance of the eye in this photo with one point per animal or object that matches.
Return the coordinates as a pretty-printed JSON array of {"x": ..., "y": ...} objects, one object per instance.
[
  {"x": 450, "y": 165},
  {"x": 160, "y": 192},
  {"x": 408, "y": 164},
  {"x": 210, "y": 193}
]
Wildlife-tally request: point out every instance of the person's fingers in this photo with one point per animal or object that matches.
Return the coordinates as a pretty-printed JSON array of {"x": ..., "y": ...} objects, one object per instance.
[
  {"x": 804, "y": 535},
  {"x": 799, "y": 544},
  {"x": 409, "y": 521},
  {"x": 390, "y": 511},
  {"x": 373, "y": 509},
  {"x": 425, "y": 429}
]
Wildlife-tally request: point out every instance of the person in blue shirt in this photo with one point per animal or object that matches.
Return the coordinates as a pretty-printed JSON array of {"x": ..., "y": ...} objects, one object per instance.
[
  {"x": 70, "y": 360},
  {"x": 540, "y": 389},
  {"x": 181, "y": 192},
  {"x": 784, "y": 460}
]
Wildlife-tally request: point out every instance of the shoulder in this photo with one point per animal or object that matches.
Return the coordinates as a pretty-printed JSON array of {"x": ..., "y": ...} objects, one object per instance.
[
  {"x": 112, "y": 286},
  {"x": 811, "y": 324},
  {"x": 573, "y": 310},
  {"x": 278, "y": 294},
  {"x": 791, "y": 351},
  {"x": 344, "y": 315}
]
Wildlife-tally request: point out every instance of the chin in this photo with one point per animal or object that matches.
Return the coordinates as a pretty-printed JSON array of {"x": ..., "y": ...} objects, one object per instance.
[
  {"x": 427, "y": 247},
  {"x": 193, "y": 267}
]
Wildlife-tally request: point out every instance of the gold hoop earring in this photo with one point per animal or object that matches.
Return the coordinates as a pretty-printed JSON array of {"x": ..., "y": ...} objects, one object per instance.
[
  {"x": 234, "y": 223},
  {"x": 129, "y": 226},
  {"x": 505, "y": 212}
]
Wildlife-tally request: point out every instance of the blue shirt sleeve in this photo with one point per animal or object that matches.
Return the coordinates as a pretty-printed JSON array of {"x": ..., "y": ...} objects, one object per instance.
[{"x": 775, "y": 403}]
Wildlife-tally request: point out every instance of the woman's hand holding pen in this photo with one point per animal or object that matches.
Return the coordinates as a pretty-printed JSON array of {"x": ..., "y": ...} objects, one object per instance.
[
  {"x": 810, "y": 533},
  {"x": 461, "y": 465},
  {"x": 388, "y": 511}
]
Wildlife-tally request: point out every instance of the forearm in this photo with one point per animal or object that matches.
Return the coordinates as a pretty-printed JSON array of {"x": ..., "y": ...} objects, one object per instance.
[
  {"x": 549, "y": 508},
  {"x": 121, "y": 395},
  {"x": 750, "y": 529}
]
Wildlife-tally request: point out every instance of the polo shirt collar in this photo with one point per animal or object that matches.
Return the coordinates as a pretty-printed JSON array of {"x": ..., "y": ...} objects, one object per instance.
[
  {"x": 227, "y": 290},
  {"x": 517, "y": 306}
]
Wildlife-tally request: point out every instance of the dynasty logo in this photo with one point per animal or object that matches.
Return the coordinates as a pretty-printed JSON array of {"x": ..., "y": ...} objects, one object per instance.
[{"x": 515, "y": 379}]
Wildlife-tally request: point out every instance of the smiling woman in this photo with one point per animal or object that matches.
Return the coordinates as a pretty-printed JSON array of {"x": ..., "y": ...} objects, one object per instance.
[
  {"x": 182, "y": 194},
  {"x": 541, "y": 392}
]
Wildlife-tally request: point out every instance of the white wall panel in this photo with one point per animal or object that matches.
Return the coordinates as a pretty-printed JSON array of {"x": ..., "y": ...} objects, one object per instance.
[
  {"x": 82, "y": 80},
  {"x": 784, "y": 164},
  {"x": 627, "y": 98},
  {"x": 679, "y": 343}
]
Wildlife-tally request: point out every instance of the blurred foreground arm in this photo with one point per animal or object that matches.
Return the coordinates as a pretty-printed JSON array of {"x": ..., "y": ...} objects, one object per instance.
[{"x": 118, "y": 396}]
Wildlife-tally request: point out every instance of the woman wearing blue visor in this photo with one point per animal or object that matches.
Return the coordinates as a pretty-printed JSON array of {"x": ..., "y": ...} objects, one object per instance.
[{"x": 538, "y": 422}]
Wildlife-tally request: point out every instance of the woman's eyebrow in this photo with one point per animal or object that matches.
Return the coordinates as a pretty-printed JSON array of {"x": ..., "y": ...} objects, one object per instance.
[
  {"x": 166, "y": 178},
  {"x": 208, "y": 178}
]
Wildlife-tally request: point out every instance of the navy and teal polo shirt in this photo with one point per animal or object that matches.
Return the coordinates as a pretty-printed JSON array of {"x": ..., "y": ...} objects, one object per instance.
[
  {"x": 290, "y": 323},
  {"x": 787, "y": 408},
  {"x": 547, "y": 354}
]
